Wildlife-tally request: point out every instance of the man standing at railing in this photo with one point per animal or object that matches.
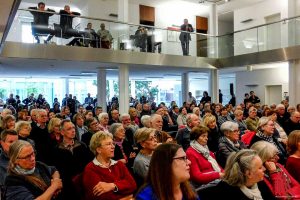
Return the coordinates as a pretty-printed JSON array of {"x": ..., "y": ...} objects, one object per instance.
[
  {"x": 105, "y": 37},
  {"x": 185, "y": 36},
  {"x": 40, "y": 22}
]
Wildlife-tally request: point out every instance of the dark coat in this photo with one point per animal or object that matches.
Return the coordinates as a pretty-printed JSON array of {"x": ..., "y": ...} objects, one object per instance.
[
  {"x": 183, "y": 138},
  {"x": 225, "y": 191},
  {"x": 225, "y": 149},
  {"x": 184, "y": 36}
]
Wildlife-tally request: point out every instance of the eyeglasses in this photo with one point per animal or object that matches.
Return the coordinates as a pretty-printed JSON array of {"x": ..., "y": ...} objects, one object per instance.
[
  {"x": 153, "y": 138},
  {"x": 184, "y": 158},
  {"x": 28, "y": 157},
  {"x": 108, "y": 144}
]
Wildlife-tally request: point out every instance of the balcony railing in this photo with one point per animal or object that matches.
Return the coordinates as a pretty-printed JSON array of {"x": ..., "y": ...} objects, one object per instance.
[{"x": 281, "y": 34}]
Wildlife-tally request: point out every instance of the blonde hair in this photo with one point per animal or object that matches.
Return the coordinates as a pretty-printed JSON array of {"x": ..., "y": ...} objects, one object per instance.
[
  {"x": 52, "y": 123},
  {"x": 209, "y": 118},
  {"x": 21, "y": 124},
  {"x": 96, "y": 140},
  {"x": 143, "y": 134}
]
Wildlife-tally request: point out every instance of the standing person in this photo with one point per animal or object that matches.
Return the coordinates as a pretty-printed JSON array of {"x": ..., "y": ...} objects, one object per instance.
[
  {"x": 41, "y": 22},
  {"x": 91, "y": 36},
  {"x": 185, "y": 36},
  {"x": 171, "y": 181},
  {"x": 105, "y": 37},
  {"x": 141, "y": 39},
  {"x": 220, "y": 97},
  {"x": 66, "y": 21},
  {"x": 253, "y": 98},
  {"x": 191, "y": 98}
]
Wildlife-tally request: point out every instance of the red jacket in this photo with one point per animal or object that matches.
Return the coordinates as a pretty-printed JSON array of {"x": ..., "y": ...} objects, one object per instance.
[
  {"x": 201, "y": 170},
  {"x": 117, "y": 174},
  {"x": 282, "y": 184}
]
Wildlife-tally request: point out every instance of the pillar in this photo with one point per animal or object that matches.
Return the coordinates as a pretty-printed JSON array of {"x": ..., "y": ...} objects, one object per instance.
[
  {"x": 123, "y": 88},
  {"x": 185, "y": 83},
  {"x": 101, "y": 89},
  {"x": 123, "y": 10},
  {"x": 213, "y": 30},
  {"x": 214, "y": 85},
  {"x": 132, "y": 88},
  {"x": 294, "y": 82}
]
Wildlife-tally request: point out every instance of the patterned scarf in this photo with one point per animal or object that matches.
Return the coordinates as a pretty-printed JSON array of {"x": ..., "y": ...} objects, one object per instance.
[{"x": 205, "y": 152}]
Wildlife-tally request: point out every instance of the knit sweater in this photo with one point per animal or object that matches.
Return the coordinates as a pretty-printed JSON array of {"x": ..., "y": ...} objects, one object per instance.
[{"x": 117, "y": 174}]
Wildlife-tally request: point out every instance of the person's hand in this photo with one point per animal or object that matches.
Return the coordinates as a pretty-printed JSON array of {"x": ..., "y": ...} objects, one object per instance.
[
  {"x": 284, "y": 141},
  {"x": 221, "y": 174},
  {"x": 270, "y": 166},
  {"x": 103, "y": 187},
  {"x": 56, "y": 183},
  {"x": 123, "y": 161},
  {"x": 132, "y": 155}
]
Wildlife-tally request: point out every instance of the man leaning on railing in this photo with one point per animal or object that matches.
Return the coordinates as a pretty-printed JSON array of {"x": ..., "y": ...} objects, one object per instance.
[{"x": 40, "y": 22}]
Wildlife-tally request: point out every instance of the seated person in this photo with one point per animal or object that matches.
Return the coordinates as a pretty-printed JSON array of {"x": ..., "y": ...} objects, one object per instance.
[
  {"x": 105, "y": 37},
  {"x": 204, "y": 167},
  {"x": 146, "y": 139},
  {"x": 229, "y": 142},
  {"x": 66, "y": 21},
  {"x": 27, "y": 178},
  {"x": 7, "y": 138},
  {"x": 141, "y": 38},
  {"x": 41, "y": 22},
  {"x": 168, "y": 176},
  {"x": 242, "y": 180},
  {"x": 90, "y": 36},
  {"x": 293, "y": 161},
  {"x": 104, "y": 178},
  {"x": 276, "y": 177}
]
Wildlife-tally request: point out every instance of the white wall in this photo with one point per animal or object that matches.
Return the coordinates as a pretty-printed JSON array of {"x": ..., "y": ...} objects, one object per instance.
[
  {"x": 246, "y": 42},
  {"x": 257, "y": 80}
]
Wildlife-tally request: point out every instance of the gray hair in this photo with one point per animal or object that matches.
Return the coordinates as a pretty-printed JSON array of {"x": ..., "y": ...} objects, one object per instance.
[
  {"x": 113, "y": 128},
  {"x": 265, "y": 150},
  {"x": 123, "y": 115},
  {"x": 238, "y": 163},
  {"x": 21, "y": 124},
  {"x": 229, "y": 126},
  {"x": 145, "y": 120},
  {"x": 195, "y": 109},
  {"x": 102, "y": 115},
  {"x": 263, "y": 121},
  {"x": 14, "y": 152},
  {"x": 153, "y": 117},
  {"x": 280, "y": 106},
  {"x": 39, "y": 112},
  {"x": 96, "y": 140},
  {"x": 252, "y": 109},
  {"x": 6, "y": 111}
]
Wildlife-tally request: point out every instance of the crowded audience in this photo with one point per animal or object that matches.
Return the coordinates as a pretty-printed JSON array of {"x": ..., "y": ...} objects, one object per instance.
[{"x": 112, "y": 155}]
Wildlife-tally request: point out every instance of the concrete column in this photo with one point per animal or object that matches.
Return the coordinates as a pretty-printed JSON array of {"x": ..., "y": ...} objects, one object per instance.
[
  {"x": 294, "y": 82},
  {"x": 101, "y": 89},
  {"x": 123, "y": 88},
  {"x": 123, "y": 10},
  {"x": 67, "y": 90},
  {"x": 213, "y": 30},
  {"x": 214, "y": 85},
  {"x": 185, "y": 84}
]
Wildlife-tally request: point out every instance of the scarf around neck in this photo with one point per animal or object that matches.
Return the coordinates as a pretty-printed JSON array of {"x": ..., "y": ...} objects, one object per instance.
[
  {"x": 205, "y": 152},
  {"x": 252, "y": 193}
]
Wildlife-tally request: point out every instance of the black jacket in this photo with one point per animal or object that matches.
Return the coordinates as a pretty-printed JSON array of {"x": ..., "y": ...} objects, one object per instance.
[
  {"x": 40, "y": 18},
  {"x": 66, "y": 20}
]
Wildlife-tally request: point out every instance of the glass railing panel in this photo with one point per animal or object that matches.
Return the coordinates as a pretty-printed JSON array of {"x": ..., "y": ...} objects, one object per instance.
[
  {"x": 127, "y": 37},
  {"x": 226, "y": 46},
  {"x": 270, "y": 36},
  {"x": 245, "y": 42}
]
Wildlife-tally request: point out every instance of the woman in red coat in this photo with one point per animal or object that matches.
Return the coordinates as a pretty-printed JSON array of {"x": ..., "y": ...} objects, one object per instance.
[
  {"x": 204, "y": 167},
  {"x": 277, "y": 178},
  {"x": 104, "y": 178},
  {"x": 293, "y": 162}
]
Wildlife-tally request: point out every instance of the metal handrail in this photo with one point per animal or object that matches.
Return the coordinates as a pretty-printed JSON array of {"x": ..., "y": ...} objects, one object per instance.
[{"x": 117, "y": 22}]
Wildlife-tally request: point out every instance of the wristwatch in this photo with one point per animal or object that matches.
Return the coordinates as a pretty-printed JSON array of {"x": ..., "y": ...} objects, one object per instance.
[{"x": 116, "y": 189}]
